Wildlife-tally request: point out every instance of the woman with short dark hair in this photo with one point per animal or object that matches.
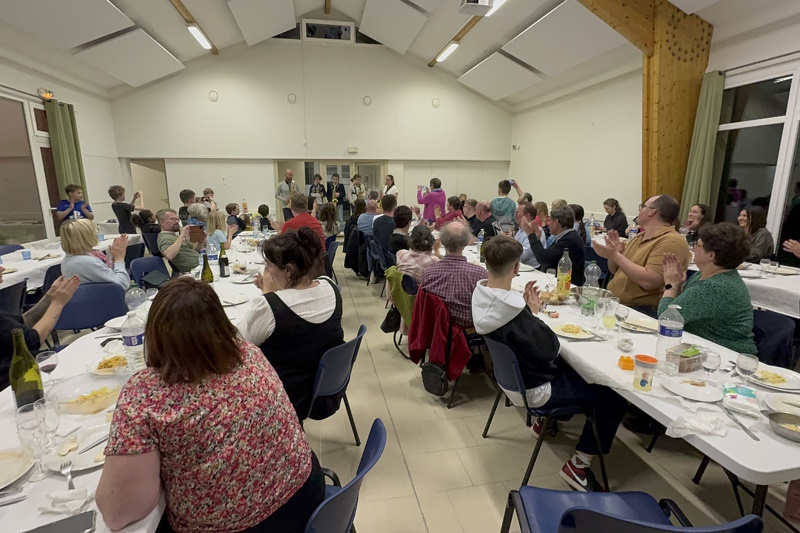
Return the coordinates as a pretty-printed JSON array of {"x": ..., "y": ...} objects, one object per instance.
[
  {"x": 753, "y": 219},
  {"x": 714, "y": 302},
  {"x": 208, "y": 420},
  {"x": 398, "y": 240}
]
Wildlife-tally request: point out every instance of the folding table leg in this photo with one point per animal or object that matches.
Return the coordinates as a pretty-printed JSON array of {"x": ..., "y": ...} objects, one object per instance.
[
  {"x": 656, "y": 435},
  {"x": 759, "y": 499},
  {"x": 701, "y": 470},
  {"x": 735, "y": 484}
]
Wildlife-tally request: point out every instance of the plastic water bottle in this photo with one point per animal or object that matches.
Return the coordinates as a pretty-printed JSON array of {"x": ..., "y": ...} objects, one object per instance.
[
  {"x": 133, "y": 339},
  {"x": 212, "y": 251},
  {"x": 633, "y": 232},
  {"x": 670, "y": 333},
  {"x": 592, "y": 274},
  {"x": 592, "y": 224},
  {"x": 479, "y": 245}
]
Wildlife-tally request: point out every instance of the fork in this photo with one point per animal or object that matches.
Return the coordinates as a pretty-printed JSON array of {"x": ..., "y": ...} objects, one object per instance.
[{"x": 66, "y": 470}]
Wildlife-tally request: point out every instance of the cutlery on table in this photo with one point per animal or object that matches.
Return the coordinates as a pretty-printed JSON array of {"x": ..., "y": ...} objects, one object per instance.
[
  {"x": 9, "y": 492},
  {"x": 793, "y": 404},
  {"x": 16, "y": 499},
  {"x": 739, "y": 423},
  {"x": 66, "y": 470},
  {"x": 93, "y": 444},
  {"x": 45, "y": 257}
]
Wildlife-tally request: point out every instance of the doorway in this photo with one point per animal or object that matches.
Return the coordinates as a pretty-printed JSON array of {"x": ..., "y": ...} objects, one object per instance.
[{"x": 150, "y": 178}]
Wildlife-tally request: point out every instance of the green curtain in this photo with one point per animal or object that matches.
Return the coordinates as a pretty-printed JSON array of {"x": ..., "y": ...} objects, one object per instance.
[
  {"x": 699, "y": 184},
  {"x": 65, "y": 145}
]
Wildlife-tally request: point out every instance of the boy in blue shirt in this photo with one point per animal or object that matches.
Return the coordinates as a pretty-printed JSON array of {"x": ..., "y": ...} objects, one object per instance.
[{"x": 74, "y": 207}]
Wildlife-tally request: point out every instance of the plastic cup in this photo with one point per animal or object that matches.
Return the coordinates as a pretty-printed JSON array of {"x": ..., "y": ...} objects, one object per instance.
[
  {"x": 26, "y": 255},
  {"x": 644, "y": 369},
  {"x": 101, "y": 237}
]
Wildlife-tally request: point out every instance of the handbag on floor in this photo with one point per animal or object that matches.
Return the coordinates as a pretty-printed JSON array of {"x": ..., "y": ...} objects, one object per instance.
[
  {"x": 434, "y": 377},
  {"x": 391, "y": 323}
]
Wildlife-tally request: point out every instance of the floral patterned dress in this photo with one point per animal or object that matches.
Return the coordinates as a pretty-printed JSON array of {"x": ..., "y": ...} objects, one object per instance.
[{"x": 232, "y": 450}]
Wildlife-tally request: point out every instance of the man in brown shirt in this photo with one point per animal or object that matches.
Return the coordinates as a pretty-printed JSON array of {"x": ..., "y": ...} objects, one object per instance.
[{"x": 638, "y": 272}]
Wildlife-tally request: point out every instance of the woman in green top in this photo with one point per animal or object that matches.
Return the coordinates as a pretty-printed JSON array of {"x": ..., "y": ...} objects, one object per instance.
[{"x": 714, "y": 302}]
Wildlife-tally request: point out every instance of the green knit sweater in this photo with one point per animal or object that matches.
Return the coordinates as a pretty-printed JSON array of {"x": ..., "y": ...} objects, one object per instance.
[{"x": 717, "y": 309}]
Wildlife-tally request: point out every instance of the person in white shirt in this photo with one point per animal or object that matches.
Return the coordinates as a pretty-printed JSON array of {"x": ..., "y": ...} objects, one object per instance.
[
  {"x": 527, "y": 211},
  {"x": 390, "y": 187}
]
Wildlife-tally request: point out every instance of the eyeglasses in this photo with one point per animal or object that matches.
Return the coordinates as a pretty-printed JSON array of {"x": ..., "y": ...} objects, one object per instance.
[{"x": 642, "y": 206}]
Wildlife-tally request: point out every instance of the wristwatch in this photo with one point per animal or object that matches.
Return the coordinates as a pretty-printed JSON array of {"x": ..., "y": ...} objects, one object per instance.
[{"x": 668, "y": 286}]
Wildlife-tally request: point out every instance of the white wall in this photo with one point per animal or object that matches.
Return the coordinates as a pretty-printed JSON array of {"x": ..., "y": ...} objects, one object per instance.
[
  {"x": 585, "y": 147},
  {"x": 476, "y": 179},
  {"x": 253, "y": 119},
  {"x": 149, "y": 177},
  {"x": 755, "y": 46}
]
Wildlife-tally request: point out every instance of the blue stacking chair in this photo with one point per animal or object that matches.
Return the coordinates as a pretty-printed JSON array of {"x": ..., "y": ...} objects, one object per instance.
[
  {"x": 333, "y": 375},
  {"x": 151, "y": 241},
  {"x": 92, "y": 305},
  {"x": 555, "y": 511},
  {"x": 507, "y": 373},
  {"x": 8, "y": 248},
  {"x": 34, "y": 296},
  {"x": 133, "y": 252},
  {"x": 338, "y": 511},
  {"x": 332, "y": 247},
  {"x": 12, "y": 297},
  {"x": 143, "y": 266}
]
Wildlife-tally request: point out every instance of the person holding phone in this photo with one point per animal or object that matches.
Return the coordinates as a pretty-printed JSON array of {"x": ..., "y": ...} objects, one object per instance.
[{"x": 175, "y": 244}]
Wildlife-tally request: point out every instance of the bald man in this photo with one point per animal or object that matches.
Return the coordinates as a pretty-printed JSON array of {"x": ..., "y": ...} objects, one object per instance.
[
  {"x": 286, "y": 189},
  {"x": 365, "y": 219}
]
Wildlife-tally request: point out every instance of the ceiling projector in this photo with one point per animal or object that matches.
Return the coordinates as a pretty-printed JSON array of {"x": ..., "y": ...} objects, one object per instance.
[{"x": 477, "y": 8}]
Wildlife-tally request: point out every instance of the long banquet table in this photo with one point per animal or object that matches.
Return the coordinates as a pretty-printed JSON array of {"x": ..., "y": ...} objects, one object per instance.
[{"x": 770, "y": 460}]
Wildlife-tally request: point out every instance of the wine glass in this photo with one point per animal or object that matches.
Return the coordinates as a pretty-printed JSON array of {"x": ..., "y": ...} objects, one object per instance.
[
  {"x": 47, "y": 362},
  {"x": 746, "y": 365},
  {"x": 609, "y": 316},
  {"x": 622, "y": 315},
  {"x": 773, "y": 267},
  {"x": 52, "y": 417},
  {"x": 552, "y": 272},
  {"x": 765, "y": 266},
  {"x": 710, "y": 364},
  {"x": 600, "y": 305},
  {"x": 33, "y": 437}
]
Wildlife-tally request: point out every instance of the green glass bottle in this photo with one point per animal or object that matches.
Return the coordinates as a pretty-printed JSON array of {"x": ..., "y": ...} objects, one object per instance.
[
  {"x": 224, "y": 263},
  {"x": 24, "y": 375},
  {"x": 206, "y": 274}
]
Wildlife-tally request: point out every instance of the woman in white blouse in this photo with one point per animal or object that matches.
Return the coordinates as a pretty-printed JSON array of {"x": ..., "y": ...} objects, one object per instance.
[{"x": 390, "y": 187}]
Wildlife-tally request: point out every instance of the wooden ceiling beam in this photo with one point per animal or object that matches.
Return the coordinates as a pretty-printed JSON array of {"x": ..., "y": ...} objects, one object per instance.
[
  {"x": 187, "y": 16},
  {"x": 327, "y": 7},
  {"x": 457, "y": 38}
]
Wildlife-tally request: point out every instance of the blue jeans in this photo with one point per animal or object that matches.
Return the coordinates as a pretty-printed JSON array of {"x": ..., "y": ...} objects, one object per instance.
[
  {"x": 569, "y": 389},
  {"x": 340, "y": 213}
]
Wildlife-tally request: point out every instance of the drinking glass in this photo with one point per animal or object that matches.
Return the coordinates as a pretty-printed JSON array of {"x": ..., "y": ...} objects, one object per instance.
[
  {"x": 710, "y": 364},
  {"x": 52, "y": 418},
  {"x": 773, "y": 267},
  {"x": 47, "y": 362},
  {"x": 765, "y": 268},
  {"x": 609, "y": 316},
  {"x": 552, "y": 272},
  {"x": 622, "y": 315},
  {"x": 134, "y": 298},
  {"x": 33, "y": 437},
  {"x": 600, "y": 305},
  {"x": 746, "y": 365}
]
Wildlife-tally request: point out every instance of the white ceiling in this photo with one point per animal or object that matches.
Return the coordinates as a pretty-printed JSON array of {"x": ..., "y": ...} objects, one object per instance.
[{"x": 558, "y": 55}]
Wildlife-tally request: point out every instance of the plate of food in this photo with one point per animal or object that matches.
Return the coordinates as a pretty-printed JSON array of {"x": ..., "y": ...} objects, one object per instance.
[
  {"x": 69, "y": 450},
  {"x": 9, "y": 270},
  {"x": 108, "y": 366},
  {"x": 692, "y": 389},
  {"x": 776, "y": 378},
  {"x": 116, "y": 323},
  {"x": 86, "y": 394},
  {"x": 552, "y": 298},
  {"x": 789, "y": 403},
  {"x": 14, "y": 464},
  {"x": 640, "y": 325},
  {"x": 572, "y": 331},
  {"x": 787, "y": 271}
]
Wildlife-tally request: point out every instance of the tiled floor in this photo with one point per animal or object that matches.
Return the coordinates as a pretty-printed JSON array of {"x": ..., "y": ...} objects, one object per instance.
[{"x": 437, "y": 473}]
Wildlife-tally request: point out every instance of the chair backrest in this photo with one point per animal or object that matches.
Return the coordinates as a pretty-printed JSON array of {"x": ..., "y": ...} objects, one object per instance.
[
  {"x": 134, "y": 251},
  {"x": 333, "y": 372},
  {"x": 336, "y": 514},
  {"x": 584, "y": 520},
  {"x": 8, "y": 248},
  {"x": 506, "y": 367},
  {"x": 52, "y": 274},
  {"x": 379, "y": 254},
  {"x": 151, "y": 240},
  {"x": 329, "y": 240},
  {"x": 332, "y": 247},
  {"x": 142, "y": 266},
  {"x": 410, "y": 285},
  {"x": 12, "y": 297},
  {"x": 92, "y": 305},
  {"x": 773, "y": 334}
]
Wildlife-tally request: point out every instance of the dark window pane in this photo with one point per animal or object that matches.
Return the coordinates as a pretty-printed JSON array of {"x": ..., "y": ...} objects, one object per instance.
[
  {"x": 41, "y": 120},
  {"x": 791, "y": 219},
  {"x": 744, "y": 168},
  {"x": 758, "y": 100}
]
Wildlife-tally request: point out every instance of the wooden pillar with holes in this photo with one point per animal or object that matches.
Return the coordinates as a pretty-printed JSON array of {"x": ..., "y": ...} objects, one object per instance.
[{"x": 676, "y": 48}]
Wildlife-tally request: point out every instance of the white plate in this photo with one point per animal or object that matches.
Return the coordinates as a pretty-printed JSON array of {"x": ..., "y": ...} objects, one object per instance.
[
  {"x": 13, "y": 465},
  {"x": 106, "y": 371},
  {"x": 752, "y": 274},
  {"x": 84, "y": 461},
  {"x": 231, "y": 300},
  {"x": 775, "y": 401},
  {"x": 116, "y": 323},
  {"x": 640, "y": 325},
  {"x": 582, "y": 335},
  {"x": 681, "y": 387},
  {"x": 792, "y": 378},
  {"x": 787, "y": 271},
  {"x": 244, "y": 280},
  {"x": 525, "y": 268}
]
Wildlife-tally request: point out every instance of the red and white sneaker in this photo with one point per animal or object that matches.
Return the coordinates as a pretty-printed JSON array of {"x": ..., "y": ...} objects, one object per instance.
[
  {"x": 536, "y": 428},
  {"x": 580, "y": 479}
]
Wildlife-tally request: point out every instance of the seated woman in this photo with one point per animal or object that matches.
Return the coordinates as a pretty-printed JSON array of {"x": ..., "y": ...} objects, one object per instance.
[
  {"x": 78, "y": 238},
  {"x": 398, "y": 240},
  {"x": 453, "y": 211},
  {"x": 328, "y": 220},
  {"x": 219, "y": 232},
  {"x": 714, "y": 302},
  {"x": 753, "y": 220},
  {"x": 209, "y": 421},
  {"x": 420, "y": 255},
  {"x": 298, "y": 319},
  {"x": 145, "y": 220},
  {"x": 198, "y": 215},
  {"x": 615, "y": 216},
  {"x": 580, "y": 225},
  {"x": 698, "y": 216}
]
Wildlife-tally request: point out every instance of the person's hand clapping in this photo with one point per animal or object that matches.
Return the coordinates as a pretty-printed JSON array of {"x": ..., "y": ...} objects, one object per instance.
[
  {"x": 530, "y": 226},
  {"x": 531, "y": 296},
  {"x": 612, "y": 238},
  {"x": 62, "y": 290},
  {"x": 792, "y": 246},
  {"x": 673, "y": 271},
  {"x": 118, "y": 248},
  {"x": 606, "y": 251}
]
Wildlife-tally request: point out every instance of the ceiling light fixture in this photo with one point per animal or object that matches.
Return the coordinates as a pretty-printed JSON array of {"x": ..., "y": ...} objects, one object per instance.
[
  {"x": 447, "y": 51},
  {"x": 198, "y": 34},
  {"x": 497, "y": 5},
  {"x": 781, "y": 80}
]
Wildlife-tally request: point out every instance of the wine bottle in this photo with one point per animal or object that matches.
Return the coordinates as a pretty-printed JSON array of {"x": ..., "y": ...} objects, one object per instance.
[
  {"x": 224, "y": 263},
  {"x": 25, "y": 377},
  {"x": 206, "y": 274}
]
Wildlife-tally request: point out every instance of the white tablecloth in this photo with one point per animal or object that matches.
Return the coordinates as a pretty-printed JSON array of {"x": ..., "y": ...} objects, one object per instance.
[
  {"x": 35, "y": 270},
  {"x": 780, "y": 294}
]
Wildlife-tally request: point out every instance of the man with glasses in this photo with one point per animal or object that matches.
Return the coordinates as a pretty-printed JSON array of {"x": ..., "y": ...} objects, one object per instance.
[{"x": 638, "y": 272}]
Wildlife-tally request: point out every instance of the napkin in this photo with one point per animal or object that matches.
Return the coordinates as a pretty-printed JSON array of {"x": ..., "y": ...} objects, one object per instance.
[
  {"x": 114, "y": 347},
  {"x": 702, "y": 423},
  {"x": 67, "y": 501},
  {"x": 66, "y": 427}
]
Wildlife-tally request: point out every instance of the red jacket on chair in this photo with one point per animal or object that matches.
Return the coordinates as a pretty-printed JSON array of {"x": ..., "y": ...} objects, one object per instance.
[{"x": 430, "y": 324}]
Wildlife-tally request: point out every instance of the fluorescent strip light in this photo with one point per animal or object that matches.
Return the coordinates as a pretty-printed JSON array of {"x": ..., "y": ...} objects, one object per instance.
[
  {"x": 198, "y": 34},
  {"x": 781, "y": 80},
  {"x": 447, "y": 51},
  {"x": 497, "y": 5}
]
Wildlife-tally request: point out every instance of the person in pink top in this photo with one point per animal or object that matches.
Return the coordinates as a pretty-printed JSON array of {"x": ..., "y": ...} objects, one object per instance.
[{"x": 431, "y": 199}]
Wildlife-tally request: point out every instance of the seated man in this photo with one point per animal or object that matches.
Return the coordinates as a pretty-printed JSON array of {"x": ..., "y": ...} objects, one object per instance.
[
  {"x": 452, "y": 278},
  {"x": 383, "y": 225},
  {"x": 470, "y": 209},
  {"x": 485, "y": 221},
  {"x": 527, "y": 212},
  {"x": 365, "y": 219},
  {"x": 564, "y": 238},
  {"x": 298, "y": 204},
  {"x": 638, "y": 267},
  {"x": 508, "y": 317},
  {"x": 174, "y": 244}
]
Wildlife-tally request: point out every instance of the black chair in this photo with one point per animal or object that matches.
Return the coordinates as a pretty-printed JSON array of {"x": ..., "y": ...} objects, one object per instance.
[
  {"x": 8, "y": 248},
  {"x": 507, "y": 373},
  {"x": 134, "y": 251},
  {"x": 151, "y": 241},
  {"x": 773, "y": 334},
  {"x": 144, "y": 265},
  {"x": 12, "y": 298},
  {"x": 332, "y": 247}
]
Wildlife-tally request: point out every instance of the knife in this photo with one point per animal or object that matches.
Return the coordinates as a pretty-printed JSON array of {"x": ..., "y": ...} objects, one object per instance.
[
  {"x": 13, "y": 500},
  {"x": 793, "y": 404},
  {"x": 92, "y": 445},
  {"x": 738, "y": 423}
]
